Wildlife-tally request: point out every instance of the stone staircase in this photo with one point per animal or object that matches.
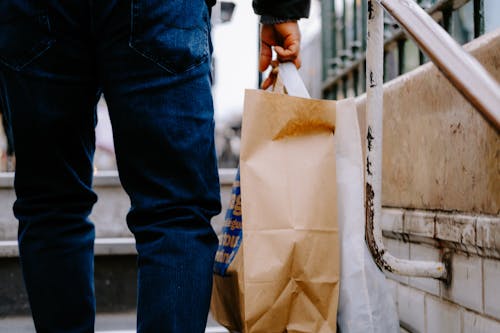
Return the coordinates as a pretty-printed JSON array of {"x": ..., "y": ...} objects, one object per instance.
[{"x": 115, "y": 256}]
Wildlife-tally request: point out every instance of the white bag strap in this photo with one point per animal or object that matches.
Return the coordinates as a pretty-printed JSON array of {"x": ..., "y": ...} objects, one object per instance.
[{"x": 292, "y": 81}]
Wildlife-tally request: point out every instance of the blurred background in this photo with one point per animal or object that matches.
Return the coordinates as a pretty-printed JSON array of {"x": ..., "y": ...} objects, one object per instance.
[
  {"x": 333, "y": 58},
  {"x": 235, "y": 37}
]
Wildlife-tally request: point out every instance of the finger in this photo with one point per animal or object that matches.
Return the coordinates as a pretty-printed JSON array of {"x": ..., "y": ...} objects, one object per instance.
[
  {"x": 266, "y": 56},
  {"x": 289, "y": 49},
  {"x": 267, "y": 83},
  {"x": 298, "y": 62},
  {"x": 290, "y": 53},
  {"x": 266, "y": 41},
  {"x": 271, "y": 79},
  {"x": 275, "y": 65},
  {"x": 284, "y": 57}
]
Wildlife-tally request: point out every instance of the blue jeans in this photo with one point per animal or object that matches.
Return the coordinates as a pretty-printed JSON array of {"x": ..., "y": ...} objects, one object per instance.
[{"x": 150, "y": 59}]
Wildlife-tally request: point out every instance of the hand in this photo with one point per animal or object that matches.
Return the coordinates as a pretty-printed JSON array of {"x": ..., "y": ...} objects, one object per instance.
[{"x": 285, "y": 37}]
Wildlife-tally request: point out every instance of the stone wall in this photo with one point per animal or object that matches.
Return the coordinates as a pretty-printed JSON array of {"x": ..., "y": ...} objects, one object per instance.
[
  {"x": 441, "y": 193},
  {"x": 470, "y": 303},
  {"x": 439, "y": 153}
]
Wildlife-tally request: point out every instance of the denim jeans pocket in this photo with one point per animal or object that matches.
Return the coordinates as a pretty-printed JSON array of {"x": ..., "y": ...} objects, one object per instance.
[
  {"x": 174, "y": 34},
  {"x": 25, "y": 32}
]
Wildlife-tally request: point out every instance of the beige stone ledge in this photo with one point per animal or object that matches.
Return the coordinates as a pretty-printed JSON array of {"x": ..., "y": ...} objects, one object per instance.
[
  {"x": 108, "y": 214},
  {"x": 105, "y": 178},
  {"x": 102, "y": 246},
  {"x": 470, "y": 233}
]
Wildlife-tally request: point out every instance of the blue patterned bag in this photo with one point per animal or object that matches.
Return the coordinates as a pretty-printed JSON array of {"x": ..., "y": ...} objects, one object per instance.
[{"x": 231, "y": 232}]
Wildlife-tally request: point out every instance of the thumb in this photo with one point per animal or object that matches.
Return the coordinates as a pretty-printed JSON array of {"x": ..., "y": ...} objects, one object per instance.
[{"x": 285, "y": 55}]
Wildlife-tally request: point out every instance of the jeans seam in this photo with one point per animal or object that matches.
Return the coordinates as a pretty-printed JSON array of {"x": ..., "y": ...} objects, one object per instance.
[
  {"x": 37, "y": 50},
  {"x": 159, "y": 61}
]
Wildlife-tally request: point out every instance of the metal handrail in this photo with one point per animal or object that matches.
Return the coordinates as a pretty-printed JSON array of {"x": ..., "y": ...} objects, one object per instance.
[
  {"x": 462, "y": 70},
  {"x": 373, "y": 170}
]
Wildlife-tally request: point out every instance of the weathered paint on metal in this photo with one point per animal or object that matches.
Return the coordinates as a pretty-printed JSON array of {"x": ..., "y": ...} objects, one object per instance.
[{"x": 373, "y": 172}]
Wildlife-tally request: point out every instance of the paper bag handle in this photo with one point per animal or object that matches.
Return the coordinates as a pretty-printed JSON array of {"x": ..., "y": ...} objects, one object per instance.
[{"x": 292, "y": 81}]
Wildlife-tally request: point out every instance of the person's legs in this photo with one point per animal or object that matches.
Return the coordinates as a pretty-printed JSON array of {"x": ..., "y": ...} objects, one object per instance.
[
  {"x": 157, "y": 85},
  {"x": 49, "y": 95}
]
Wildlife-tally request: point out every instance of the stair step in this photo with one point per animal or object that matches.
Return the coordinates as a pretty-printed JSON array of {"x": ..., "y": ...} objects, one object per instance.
[
  {"x": 102, "y": 246},
  {"x": 105, "y": 323}
]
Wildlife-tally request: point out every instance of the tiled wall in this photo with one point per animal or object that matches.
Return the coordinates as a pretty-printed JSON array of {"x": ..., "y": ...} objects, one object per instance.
[{"x": 471, "y": 303}]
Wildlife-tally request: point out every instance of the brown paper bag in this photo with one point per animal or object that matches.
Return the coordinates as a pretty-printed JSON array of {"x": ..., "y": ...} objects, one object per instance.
[{"x": 285, "y": 277}]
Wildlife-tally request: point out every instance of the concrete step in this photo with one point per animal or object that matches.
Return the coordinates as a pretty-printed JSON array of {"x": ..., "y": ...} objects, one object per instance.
[
  {"x": 115, "y": 261},
  {"x": 110, "y": 210},
  {"x": 105, "y": 323},
  {"x": 115, "y": 285},
  {"x": 102, "y": 246}
]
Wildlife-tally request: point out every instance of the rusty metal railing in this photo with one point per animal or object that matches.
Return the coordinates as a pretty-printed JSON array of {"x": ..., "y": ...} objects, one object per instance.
[{"x": 461, "y": 69}]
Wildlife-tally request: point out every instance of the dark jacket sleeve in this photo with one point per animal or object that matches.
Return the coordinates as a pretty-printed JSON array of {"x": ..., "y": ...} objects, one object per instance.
[
  {"x": 210, "y": 3},
  {"x": 285, "y": 9}
]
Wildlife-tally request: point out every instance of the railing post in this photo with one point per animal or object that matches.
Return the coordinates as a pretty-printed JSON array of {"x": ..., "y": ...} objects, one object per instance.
[
  {"x": 329, "y": 38},
  {"x": 373, "y": 168},
  {"x": 326, "y": 32},
  {"x": 478, "y": 18},
  {"x": 374, "y": 115}
]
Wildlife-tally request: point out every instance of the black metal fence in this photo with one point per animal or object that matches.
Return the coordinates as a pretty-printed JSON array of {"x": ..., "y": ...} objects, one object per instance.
[{"x": 344, "y": 42}]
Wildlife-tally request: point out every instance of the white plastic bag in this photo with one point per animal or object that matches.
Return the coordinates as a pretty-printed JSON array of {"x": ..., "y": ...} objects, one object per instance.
[{"x": 365, "y": 300}]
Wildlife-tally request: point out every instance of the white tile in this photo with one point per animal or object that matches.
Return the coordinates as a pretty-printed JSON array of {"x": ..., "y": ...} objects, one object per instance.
[
  {"x": 400, "y": 250},
  {"x": 467, "y": 282},
  {"x": 492, "y": 287},
  {"x": 456, "y": 228},
  {"x": 411, "y": 308},
  {"x": 392, "y": 220},
  {"x": 441, "y": 316},
  {"x": 473, "y": 323},
  {"x": 397, "y": 248},
  {"x": 424, "y": 252},
  {"x": 488, "y": 232},
  {"x": 419, "y": 223}
]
